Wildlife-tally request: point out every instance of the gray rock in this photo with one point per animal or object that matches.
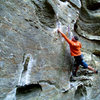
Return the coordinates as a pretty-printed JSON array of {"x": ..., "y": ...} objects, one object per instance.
[
  {"x": 89, "y": 21},
  {"x": 32, "y": 52}
]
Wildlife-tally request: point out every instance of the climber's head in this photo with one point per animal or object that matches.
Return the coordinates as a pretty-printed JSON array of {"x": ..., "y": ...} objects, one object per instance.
[{"x": 75, "y": 38}]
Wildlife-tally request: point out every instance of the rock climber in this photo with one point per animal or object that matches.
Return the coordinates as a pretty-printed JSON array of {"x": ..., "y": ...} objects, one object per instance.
[{"x": 75, "y": 50}]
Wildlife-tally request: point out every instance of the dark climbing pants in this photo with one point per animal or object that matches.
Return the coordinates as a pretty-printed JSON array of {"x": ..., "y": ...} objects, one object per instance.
[{"x": 79, "y": 61}]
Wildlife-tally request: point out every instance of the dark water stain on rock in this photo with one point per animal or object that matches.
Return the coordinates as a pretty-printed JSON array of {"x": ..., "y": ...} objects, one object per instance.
[{"x": 46, "y": 14}]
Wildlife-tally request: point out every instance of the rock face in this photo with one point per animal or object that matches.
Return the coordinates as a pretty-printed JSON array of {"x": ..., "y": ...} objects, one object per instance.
[
  {"x": 35, "y": 58},
  {"x": 88, "y": 24}
]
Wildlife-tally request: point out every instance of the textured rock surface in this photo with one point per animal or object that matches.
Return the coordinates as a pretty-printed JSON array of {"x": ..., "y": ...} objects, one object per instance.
[
  {"x": 32, "y": 52},
  {"x": 88, "y": 24}
]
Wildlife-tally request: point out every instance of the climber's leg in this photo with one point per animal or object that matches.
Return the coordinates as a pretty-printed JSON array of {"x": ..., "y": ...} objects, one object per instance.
[
  {"x": 75, "y": 68},
  {"x": 85, "y": 65},
  {"x": 92, "y": 69}
]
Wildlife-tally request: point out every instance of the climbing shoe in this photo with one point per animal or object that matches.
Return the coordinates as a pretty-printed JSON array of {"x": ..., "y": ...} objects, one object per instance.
[
  {"x": 74, "y": 75},
  {"x": 72, "y": 79}
]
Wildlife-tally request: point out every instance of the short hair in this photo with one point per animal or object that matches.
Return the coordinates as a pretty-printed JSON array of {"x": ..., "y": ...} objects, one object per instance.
[{"x": 76, "y": 38}]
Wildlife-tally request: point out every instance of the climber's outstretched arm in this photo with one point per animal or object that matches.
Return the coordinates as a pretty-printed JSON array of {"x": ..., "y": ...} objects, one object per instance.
[{"x": 65, "y": 37}]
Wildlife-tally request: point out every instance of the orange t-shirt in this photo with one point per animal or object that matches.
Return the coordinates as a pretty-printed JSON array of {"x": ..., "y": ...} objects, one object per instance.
[{"x": 75, "y": 46}]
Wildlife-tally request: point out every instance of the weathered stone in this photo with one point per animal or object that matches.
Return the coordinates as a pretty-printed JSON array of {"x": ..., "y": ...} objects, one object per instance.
[
  {"x": 89, "y": 21},
  {"x": 32, "y": 52},
  {"x": 76, "y": 3}
]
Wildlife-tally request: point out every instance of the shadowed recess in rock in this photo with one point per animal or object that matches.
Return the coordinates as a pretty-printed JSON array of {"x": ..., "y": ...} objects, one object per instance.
[
  {"x": 94, "y": 6},
  {"x": 63, "y": 0},
  {"x": 28, "y": 88},
  {"x": 80, "y": 92},
  {"x": 45, "y": 14},
  {"x": 75, "y": 27},
  {"x": 97, "y": 53},
  {"x": 26, "y": 63}
]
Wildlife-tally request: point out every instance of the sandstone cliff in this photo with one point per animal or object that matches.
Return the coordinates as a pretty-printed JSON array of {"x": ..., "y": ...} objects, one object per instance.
[{"x": 35, "y": 62}]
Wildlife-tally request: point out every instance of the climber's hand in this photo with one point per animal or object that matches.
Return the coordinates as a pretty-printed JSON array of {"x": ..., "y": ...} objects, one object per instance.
[{"x": 59, "y": 31}]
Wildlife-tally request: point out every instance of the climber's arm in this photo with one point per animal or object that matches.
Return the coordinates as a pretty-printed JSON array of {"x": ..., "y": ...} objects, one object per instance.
[
  {"x": 65, "y": 37},
  {"x": 80, "y": 45}
]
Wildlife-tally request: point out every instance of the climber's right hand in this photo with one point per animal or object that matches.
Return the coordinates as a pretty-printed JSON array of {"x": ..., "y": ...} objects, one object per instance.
[{"x": 58, "y": 31}]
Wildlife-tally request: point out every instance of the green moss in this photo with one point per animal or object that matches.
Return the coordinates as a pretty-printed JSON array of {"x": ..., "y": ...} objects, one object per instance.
[{"x": 26, "y": 63}]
